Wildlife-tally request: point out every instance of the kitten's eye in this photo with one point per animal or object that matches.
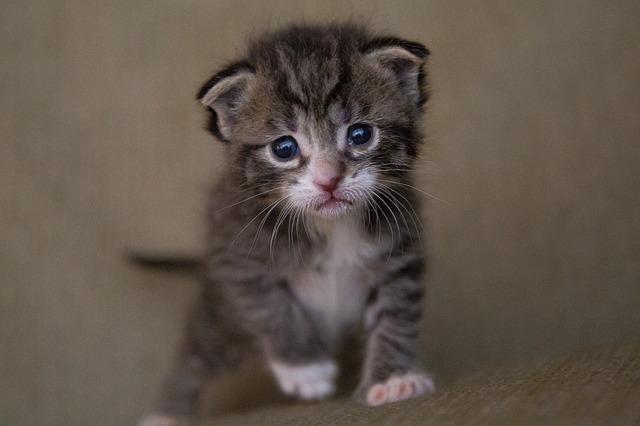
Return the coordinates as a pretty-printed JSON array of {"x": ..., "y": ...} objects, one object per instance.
[
  {"x": 359, "y": 134},
  {"x": 285, "y": 148}
]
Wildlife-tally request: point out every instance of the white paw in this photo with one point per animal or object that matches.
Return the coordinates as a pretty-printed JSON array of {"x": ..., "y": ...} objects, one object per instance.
[
  {"x": 162, "y": 420},
  {"x": 309, "y": 381},
  {"x": 398, "y": 388}
]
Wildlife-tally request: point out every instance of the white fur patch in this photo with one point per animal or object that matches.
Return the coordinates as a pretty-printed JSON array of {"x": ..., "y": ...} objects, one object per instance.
[
  {"x": 398, "y": 388},
  {"x": 338, "y": 290},
  {"x": 309, "y": 381}
]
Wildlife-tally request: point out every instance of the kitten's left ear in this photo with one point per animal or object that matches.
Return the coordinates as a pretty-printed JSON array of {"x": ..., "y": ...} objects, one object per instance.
[{"x": 403, "y": 60}]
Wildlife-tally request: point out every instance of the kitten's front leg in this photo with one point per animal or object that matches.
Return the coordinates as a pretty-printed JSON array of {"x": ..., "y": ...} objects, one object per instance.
[
  {"x": 390, "y": 373},
  {"x": 297, "y": 356},
  {"x": 400, "y": 387},
  {"x": 314, "y": 380}
]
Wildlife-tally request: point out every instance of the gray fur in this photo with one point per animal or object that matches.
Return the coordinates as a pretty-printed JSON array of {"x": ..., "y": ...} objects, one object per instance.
[{"x": 294, "y": 285}]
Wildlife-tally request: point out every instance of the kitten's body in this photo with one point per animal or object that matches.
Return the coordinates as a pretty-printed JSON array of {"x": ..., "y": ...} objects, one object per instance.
[{"x": 314, "y": 232}]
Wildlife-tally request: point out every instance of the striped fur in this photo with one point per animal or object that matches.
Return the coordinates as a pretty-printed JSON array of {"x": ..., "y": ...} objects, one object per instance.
[{"x": 286, "y": 271}]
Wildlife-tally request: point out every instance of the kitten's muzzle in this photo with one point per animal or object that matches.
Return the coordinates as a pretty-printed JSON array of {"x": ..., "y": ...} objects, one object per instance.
[
  {"x": 333, "y": 206},
  {"x": 328, "y": 184}
]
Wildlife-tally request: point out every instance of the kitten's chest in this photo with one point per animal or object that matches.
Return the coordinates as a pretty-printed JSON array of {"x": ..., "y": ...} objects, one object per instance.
[{"x": 335, "y": 284}]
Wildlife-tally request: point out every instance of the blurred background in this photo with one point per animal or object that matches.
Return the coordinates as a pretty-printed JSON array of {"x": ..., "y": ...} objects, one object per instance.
[{"x": 533, "y": 161}]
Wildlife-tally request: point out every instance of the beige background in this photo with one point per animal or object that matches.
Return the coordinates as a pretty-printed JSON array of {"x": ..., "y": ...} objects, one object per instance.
[{"x": 534, "y": 131}]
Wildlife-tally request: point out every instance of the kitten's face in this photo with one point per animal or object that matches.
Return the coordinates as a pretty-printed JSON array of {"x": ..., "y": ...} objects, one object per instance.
[
  {"x": 321, "y": 124},
  {"x": 335, "y": 178},
  {"x": 323, "y": 168}
]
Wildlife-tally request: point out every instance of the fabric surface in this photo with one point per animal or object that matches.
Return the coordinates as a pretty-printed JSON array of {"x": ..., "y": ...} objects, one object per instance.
[{"x": 600, "y": 387}]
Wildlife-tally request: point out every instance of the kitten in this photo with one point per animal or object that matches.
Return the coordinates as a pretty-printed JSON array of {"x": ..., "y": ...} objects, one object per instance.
[{"x": 314, "y": 234}]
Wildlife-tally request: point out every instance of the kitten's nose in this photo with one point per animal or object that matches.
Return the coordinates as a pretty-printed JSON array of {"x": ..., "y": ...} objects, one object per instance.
[
  {"x": 328, "y": 184},
  {"x": 327, "y": 172}
]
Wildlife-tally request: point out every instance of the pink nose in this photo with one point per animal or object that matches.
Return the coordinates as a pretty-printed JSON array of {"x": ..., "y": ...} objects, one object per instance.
[{"x": 327, "y": 184}]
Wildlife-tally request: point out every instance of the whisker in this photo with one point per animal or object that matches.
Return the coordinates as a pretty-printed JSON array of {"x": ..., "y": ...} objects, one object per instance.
[
  {"x": 245, "y": 227},
  {"x": 408, "y": 170},
  {"x": 386, "y": 218},
  {"x": 248, "y": 198},
  {"x": 372, "y": 206},
  {"x": 415, "y": 189},
  {"x": 307, "y": 227},
  {"x": 282, "y": 216},
  {"x": 382, "y": 196},
  {"x": 290, "y": 239},
  {"x": 264, "y": 221},
  {"x": 294, "y": 236},
  {"x": 411, "y": 213}
]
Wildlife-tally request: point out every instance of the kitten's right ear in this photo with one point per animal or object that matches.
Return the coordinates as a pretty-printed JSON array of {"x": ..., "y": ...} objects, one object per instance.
[{"x": 224, "y": 94}]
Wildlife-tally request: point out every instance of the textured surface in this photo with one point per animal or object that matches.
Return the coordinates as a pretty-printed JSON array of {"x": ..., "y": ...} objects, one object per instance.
[
  {"x": 600, "y": 387},
  {"x": 534, "y": 129}
]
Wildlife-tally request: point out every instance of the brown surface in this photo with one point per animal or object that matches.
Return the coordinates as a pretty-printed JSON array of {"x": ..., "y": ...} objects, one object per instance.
[
  {"x": 534, "y": 130},
  {"x": 600, "y": 387}
]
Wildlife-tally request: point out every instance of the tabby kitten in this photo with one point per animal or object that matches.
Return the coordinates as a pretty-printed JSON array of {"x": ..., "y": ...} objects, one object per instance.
[{"x": 313, "y": 228}]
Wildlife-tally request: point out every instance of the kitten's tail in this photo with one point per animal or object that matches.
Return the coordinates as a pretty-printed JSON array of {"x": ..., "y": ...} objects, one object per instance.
[{"x": 167, "y": 262}]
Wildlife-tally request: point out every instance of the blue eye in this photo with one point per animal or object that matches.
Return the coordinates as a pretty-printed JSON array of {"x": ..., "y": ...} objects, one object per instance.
[
  {"x": 285, "y": 148},
  {"x": 359, "y": 134}
]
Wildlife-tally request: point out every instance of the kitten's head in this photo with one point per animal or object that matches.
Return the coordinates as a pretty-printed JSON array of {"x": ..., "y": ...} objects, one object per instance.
[{"x": 322, "y": 119}]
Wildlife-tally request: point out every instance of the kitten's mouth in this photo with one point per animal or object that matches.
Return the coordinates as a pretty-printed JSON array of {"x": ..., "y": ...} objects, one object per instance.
[{"x": 333, "y": 206}]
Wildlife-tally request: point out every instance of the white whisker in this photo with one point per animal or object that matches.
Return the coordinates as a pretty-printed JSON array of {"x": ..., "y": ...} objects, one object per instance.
[
  {"x": 415, "y": 189},
  {"x": 410, "y": 210},
  {"x": 382, "y": 196},
  {"x": 268, "y": 210},
  {"x": 382, "y": 210},
  {"x": 248, "y": 198},
  {"x": 282, "y": 216},
  {"x": 294, "y": 236}
]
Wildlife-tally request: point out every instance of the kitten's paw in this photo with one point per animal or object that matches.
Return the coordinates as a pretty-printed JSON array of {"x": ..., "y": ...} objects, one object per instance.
[
  {"x": 308, "y": 381},
  {"x": 398, "y": 388},
  {"x": 163, "y": 420}
]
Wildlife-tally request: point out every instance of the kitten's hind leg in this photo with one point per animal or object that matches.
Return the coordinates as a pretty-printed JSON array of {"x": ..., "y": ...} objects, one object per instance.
[
  {"x": 180, "y": 394},
  {"x": 211, "y": 346}
]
